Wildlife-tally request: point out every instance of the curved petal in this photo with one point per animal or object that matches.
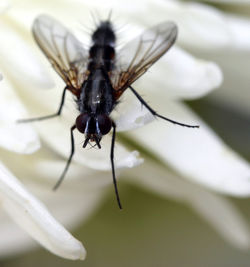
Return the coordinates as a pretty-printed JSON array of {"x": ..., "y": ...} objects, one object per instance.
[
  {"x": 34, "y": 218},
  {"x": 47, "y": 167},
  {"x": 62, "y": 204},
  {"x": 216, "y": 210},
  {"x": 59, "y": 139},
  {"x": 183, "y": 76},
  {"x": 13, "y": 239},
  {"x": 129, "y": 113},
  {"x": 201, "y": 26},
  {"x": 197, "y": 154}
]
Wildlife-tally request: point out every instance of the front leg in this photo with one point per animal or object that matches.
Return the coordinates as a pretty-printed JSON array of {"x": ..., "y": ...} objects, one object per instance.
[{"x": 69, "y": 159}]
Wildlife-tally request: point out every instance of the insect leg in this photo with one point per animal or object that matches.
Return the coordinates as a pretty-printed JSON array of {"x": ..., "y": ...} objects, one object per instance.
[
  {"x": 113, "y": 165},
  {"x": 69, "y": 159},
  {"x": 158, "y": 115},
  {"x": 58, "y": 113}
]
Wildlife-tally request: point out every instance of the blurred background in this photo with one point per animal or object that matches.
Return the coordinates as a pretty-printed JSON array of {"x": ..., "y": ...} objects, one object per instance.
[{"x": 153, "y": 231}]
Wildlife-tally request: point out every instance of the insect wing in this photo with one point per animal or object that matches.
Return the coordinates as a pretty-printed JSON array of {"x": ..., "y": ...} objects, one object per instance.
[
  {"x": 64, "y": 51},
  {"x": 136, "y": 57}
]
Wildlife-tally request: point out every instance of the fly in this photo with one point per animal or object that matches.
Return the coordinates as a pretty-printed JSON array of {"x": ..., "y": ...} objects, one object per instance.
[{"x": 95, "y": 77}]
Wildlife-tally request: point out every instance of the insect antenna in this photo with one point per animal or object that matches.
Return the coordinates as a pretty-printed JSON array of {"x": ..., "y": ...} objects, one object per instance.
[
  {"x": 97, "y": 142},
  {"x": 86, "y": 142}
]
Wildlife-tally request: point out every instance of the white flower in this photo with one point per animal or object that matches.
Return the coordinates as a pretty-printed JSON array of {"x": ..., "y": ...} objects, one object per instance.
[
  {"x": 16, "y": 201},
  {"x": 34, "y": 218},
  {"x": 188, "y": 160},
  {"x": 223, "y": 37}
]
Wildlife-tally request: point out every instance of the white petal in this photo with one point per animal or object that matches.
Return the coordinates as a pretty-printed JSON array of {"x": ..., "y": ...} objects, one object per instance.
[
  {"x": 4, "y": 4},
  {"x": 239, "y": 30},
  {"x": 219, "y": 28},
  {"x": 197, "y": 154},
  {"x": 216, "y": 210},
  {"x": 183, "y": 76},
  {"x": 63, "y": 206},
  {"x": 104, "y": 7},
  {"x": 200, "y": 26},
  {"x": 222, "y": 30},
  {"x": 22, "y": 64},
  {"x": 13, "y": 239},
  {"x": 20, "y": 138},
  {"x": 129, "y": 113},
  {"x": 34, "y": 218},
  {"x": 57, "y": 135},
  {"x": 62, "y": 203},
  {"x": 47, "y": 167}
]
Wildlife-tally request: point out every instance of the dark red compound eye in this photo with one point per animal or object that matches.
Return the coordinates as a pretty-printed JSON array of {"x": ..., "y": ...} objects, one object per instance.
[
  {"x": 81, "y": 122},
  {"x": 104, "y": 123}
]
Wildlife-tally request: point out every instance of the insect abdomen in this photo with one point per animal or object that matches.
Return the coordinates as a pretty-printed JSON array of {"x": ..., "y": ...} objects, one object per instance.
[{"x": 102, "y": 52}]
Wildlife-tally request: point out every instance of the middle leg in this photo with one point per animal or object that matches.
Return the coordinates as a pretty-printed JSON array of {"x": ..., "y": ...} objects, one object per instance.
[{"x": 58, "y": 113}]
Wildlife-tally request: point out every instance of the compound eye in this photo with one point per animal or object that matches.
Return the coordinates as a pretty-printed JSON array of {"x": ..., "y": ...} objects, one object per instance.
[
  {"x": 104, "y": 123},
  {"x": 81, "y": 122}
]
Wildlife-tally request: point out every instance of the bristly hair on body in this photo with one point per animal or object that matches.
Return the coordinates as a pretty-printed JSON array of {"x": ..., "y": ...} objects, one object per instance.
[{"x": 99, "y": 76}]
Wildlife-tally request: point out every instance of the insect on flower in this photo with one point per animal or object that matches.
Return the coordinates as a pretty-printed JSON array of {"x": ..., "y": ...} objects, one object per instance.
[{"x": 98, "y": 77}]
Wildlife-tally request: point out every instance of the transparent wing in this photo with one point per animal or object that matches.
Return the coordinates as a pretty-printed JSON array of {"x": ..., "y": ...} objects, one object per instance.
[
  {"x": 136, "y": 57},
  {"x": 64, "y": 51}
]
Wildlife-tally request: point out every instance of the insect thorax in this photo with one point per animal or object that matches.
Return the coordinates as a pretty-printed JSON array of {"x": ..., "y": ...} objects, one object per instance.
[{"x": 97, "y": 94}]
